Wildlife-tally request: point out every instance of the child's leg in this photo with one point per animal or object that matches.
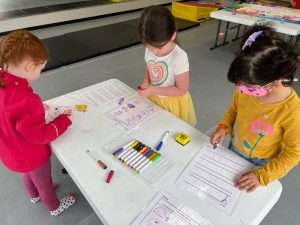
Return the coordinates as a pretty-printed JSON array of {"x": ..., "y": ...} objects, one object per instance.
[
  {"x": 32, "y": 191},
  {"x": 42, "y": 180}
]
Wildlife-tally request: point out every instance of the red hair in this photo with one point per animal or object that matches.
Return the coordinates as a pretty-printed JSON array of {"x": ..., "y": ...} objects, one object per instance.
[{"x": 20, "y": 45}]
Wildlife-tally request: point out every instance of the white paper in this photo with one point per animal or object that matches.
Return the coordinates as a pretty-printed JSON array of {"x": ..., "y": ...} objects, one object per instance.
[
  {"x": 165, "y": 209},
  {"x": 130, "y": 114},
  {"x": 102, "y": 94},
  {"x": 211, "y": 175}
]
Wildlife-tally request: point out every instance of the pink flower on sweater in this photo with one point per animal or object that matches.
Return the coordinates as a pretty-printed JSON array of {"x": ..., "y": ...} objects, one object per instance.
[{"x": 262, "y": 128}]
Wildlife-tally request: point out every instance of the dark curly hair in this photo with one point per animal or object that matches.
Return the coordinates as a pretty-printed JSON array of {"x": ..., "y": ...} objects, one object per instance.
[{"x": 268, "y": 59}]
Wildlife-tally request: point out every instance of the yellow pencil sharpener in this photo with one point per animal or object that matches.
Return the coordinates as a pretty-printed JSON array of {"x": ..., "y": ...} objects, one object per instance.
[{"x": 182, "y": 138}]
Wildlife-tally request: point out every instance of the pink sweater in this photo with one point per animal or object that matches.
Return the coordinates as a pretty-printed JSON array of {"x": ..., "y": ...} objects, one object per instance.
[{"x": 24, "y": 134}]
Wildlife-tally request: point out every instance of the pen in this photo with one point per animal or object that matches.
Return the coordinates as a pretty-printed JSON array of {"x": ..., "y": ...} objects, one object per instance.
[
  {"x": 136, "y": 150},
  {"x": 127, "y": 150},
  {"x": 131, "y": 152},
  {"x": 145, "y": 161},
  {"x": 216, "y": 145},
  {"x": 95, "y": 156},
  {"x": 158, "y": 147},
  {"x": 156, "y": 157},
  {"x": 118, "y": 151},
  {"x": 109, "y": 176},
  {"x": 142, "y": 159},
  {"x": 137, "y": 160},
  {"x": 138, "y": 153}
]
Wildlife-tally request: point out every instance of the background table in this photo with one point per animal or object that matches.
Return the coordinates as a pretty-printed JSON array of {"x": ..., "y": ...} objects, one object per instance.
[
  {"x": 242, "y": 19},
  {"x": 121, "y": 201}
]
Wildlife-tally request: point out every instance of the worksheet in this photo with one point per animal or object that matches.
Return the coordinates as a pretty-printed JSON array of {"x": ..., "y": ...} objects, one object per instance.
[
  {"x": 130, "y": 113},
  {"x": 165, "y": 209},
  {"x": 102, "y": 94},
  {"x": 211, "y": 174}
]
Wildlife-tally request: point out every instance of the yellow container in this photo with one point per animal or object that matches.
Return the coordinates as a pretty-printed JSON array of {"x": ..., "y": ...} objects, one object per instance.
[{"x": 192, "y": 11}]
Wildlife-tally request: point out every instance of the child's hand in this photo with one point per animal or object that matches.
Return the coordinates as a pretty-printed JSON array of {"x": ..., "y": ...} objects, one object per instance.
[
  {"x": 248, "y": 181},
  {"x": 46, "y": 106},
  {"x": 68, "y": 112},
  {"x": 149, "y": 91},
  {"x": 218, "y": 136},
  {"x": 144, "y": 86}
]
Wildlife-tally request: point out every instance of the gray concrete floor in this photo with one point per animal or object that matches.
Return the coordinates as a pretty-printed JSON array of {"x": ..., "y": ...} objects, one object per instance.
[{"x": 211, "y": 94}]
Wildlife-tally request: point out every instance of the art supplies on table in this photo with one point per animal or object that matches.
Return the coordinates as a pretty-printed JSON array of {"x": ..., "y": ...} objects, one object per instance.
[
  {"x": 109, "y": 176},
  {"x": 165, "y": 209},
  {"x": 278, "y": 13},
  {"x": 130, "y": 113},
  {"x": 160, "y": 144},
  {"x": 96, "y": 157},
  {"x": 211, "y": 174},
  {"x": 139, "y": 159},
  {"x": 182, "y": 138}
]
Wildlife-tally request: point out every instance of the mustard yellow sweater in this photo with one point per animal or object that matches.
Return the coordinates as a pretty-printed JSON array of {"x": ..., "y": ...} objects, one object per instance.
[{"x": 263, "y": 131}]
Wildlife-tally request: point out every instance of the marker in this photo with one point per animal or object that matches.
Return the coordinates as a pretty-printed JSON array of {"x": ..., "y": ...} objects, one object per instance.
[
  {"x": 216, "y": 145},
  {"x": 118, "y": 151},
  {"x": 95, "y": 156},
  {"x": 158, "y": 147},
  {"x": 127, "y": 150},
  {"x": 109, "y": 176},
  {"x": 132, "y": 151},
  {"x": 138, "y": 153},
  {"x": 136, "y": 161},
  {"x": 145, "y": 161},
  {"x": 142, "y": 159},
  {"x": 121, "y": 100},
  {"x": 156, "y": 157}
]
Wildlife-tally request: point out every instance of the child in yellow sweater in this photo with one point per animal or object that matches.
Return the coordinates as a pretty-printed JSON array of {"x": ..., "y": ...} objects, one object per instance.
[{"x": 264, "y": 116}]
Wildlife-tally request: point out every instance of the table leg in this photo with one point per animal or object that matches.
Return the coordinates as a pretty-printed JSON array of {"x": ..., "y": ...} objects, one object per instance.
[
  {"x": 297, "y": 41},
  {"x": 237, "y": 33},
  {"x": 225, "y": 42},
  {"x": 291, "y": 40}
]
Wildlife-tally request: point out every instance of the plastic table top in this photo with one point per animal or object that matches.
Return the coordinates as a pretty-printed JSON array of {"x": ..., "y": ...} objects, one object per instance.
[{"x": 124, "y": 198}]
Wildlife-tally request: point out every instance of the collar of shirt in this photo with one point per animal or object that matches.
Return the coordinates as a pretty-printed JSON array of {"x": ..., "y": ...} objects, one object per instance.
[{"x": 12, "y": 80}]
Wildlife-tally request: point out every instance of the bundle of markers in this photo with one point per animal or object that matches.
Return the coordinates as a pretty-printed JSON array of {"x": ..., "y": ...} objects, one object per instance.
[{"x": 136, "y": 155}]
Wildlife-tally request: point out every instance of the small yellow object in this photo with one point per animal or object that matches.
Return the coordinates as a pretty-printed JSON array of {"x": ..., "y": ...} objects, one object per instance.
[
  {"x": 81, "y": 108},
  {"x": 221, "y": 34},
  {"x": 183, "y": 138}
]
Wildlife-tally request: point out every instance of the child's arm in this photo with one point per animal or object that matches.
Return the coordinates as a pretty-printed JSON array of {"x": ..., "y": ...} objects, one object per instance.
[
  {"x": 227, "y": 122},
  {"x": 280, "y": 165},
  {"x": 32, "y": 126},
  {"x": 180, "y": 88},
  {"x": 146, "y": 81}
]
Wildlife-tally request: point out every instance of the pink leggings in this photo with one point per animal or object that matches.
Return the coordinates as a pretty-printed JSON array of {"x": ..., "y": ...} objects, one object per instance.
[{"x": 39, "y": 183}]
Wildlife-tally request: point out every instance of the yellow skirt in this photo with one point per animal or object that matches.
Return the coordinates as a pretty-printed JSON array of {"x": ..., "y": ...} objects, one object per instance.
[{"x": 180, "y": 106}]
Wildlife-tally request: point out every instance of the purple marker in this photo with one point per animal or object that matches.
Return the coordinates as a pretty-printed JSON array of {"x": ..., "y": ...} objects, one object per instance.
[
  {"x": 121, "y": 100},
  {"x": 118, "y": 151}
]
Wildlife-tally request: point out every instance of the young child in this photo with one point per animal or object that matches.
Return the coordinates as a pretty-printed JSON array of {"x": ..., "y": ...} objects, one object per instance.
[
  {"x": 264, "y": 116},
  {"x": 24, "y": 135},
  {"x": 166, "y": 80}
]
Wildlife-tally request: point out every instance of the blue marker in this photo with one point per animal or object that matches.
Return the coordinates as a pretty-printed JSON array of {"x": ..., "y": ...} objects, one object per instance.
[{"x": 158, "y": 147}]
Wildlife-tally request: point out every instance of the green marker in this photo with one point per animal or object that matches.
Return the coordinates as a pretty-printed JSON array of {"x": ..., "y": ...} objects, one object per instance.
[{"x": 149, "y": 163}]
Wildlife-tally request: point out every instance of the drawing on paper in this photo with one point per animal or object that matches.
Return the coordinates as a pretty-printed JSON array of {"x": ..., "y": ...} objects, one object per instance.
[
  {"x": 164, "y": 209},
  {"x": 132, "y": 113}
]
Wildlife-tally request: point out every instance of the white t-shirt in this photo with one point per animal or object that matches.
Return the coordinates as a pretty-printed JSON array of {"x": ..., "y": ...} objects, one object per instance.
[{"x": 162, "y": 70}]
